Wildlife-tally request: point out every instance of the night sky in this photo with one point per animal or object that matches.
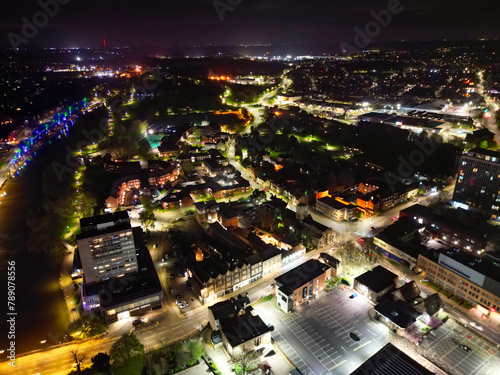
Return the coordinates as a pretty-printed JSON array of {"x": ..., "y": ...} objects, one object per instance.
[{"x": 83, "y": 23}]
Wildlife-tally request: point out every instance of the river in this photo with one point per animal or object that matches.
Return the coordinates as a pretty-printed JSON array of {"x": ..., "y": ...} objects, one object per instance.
[{"x": 39, "y": 302}]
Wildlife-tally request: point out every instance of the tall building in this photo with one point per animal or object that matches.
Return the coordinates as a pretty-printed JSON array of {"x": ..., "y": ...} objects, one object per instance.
[
  {"x": 478, "y": 182},
  {"x": 120, "y": 278},
  {"x": 106, "y": 246}
]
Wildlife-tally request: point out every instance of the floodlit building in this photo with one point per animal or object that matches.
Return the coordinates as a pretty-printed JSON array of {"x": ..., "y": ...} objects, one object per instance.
[
  {"x": 336, "y": 209},
  {"x": 119, "y": 276},
  {"x": 301, "y": 284}
]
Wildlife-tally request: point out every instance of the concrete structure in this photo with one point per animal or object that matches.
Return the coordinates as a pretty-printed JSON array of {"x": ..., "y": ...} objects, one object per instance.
[{"x": 300, "y": 284}]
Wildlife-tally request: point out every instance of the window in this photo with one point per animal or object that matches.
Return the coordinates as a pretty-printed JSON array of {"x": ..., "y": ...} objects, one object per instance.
[{"x": 304, "y": 292}]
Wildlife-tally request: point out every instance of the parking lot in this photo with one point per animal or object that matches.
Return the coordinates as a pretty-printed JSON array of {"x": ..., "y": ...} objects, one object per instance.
[
  {"x": 442, "y": 346},
  {"x": 331, "y": 335}
]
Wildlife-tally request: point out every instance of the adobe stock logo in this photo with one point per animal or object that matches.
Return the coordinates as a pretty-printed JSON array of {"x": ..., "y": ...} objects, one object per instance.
[
  {"x": 29, "y": 29},
  {"x": 373, "y": 28},
  {"x": 222, "y": 7}
]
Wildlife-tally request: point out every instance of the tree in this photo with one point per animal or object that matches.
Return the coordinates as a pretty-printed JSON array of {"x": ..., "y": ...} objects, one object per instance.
[
  {"x": 195, "y": 349},
  {"x": 128, "y": 355},
  {"x": 413, "y": 333},
  {"x": 244, "y": 360},
  {"x": 100, "y": 363},
  {"x": 126, "y": 348},
  {"x": 147, "y": 219},
  {"x": 78, "y": 359}
]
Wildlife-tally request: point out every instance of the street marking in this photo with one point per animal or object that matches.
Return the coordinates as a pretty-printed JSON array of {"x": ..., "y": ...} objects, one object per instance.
[
  {"x": 371, "y": 332},
  {"x": 366, "y": 343},
  {"x": 344, "y": 349},
  {"x": 337, "y": 365}
]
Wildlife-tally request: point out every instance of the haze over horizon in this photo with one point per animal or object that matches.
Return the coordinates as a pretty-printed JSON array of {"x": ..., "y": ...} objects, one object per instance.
[{"x": 188, "y": 23}]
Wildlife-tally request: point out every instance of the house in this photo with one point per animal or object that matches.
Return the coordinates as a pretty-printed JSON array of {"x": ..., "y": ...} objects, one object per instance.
[
  {"x": 430, "y": 306},
  {"x": 396, "y": 315},
  {"x": 375, "y": 283},
  {"x": 300, "y": 284},
  {"x": 407, "y": 293},
  {"x": 240, "y": 328}
]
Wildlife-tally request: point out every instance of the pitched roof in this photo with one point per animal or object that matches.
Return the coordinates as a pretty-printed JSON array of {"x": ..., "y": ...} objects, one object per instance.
[
  {"x": 390, "y": 361},
  {"x": 408, "y": 292}
]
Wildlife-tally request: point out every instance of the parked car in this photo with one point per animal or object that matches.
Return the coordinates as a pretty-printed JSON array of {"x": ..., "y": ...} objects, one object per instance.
[
  {"x": 354, "y": 295},
  {"x": 272, "y": 286},
  {"x": 372, "y": 228},
  {"x": 182, "y": 304},
  {"x": 178, "y": 296},
  {"x": 465, "y": 347},
  {"x": 171, "y": 275}
]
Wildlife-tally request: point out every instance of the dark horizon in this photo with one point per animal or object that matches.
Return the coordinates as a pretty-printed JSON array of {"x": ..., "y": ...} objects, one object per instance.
[{"x": 162, "y": 24}]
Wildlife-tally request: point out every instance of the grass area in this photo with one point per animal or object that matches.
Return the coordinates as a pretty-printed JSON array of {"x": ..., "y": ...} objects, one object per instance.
[
  {"x": 446, "y": 293},
  {"x": 457, "y": 299},
  {"x": 467, "y": 305},
  {"x": 435, "y": 287}
]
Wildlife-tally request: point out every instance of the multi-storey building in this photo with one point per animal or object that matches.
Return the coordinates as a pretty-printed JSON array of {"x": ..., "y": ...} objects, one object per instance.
[
  {"x": 478, "y": 182},
  {"x": 476, "y": 280},
  {"x": 336, "y": 209},
  {"x": 106, "y": 246},
  {"x": 119, "y": 276}
]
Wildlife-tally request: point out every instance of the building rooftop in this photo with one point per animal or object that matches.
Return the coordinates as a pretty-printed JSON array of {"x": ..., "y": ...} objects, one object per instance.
[
  {"x": 377, "y": 279},
  {"x": 397, "y": 312},
  {"x": 335, "y": 203},
  {"x": 332, "y": 261},
  {"x": 88, "y": 223},
  {"x": 244, "y": 328},
  {"x": 390, "y": 361},
  {"x": 302, "y": 274}
]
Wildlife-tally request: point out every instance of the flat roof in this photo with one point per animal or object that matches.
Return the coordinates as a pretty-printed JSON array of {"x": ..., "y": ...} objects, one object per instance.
[
  {"x": 101, "y": 219},
  {"x": 390, "y": 361},
  {"x": 331, "y": 202},
  {"x": 377, "y": 279},
  {"x": 302, "y": 274}
]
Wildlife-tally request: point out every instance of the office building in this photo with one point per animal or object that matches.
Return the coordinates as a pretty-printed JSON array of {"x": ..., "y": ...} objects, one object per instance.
[
  {"x": 301, "y": 284},
  {"x": 478, "y": 182},
  {"x": 106, "y": 246}
]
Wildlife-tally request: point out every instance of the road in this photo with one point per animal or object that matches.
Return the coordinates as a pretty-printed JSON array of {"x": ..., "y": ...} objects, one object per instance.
[
  {"x": 489, "y": 123},
  {"x": 173, "y": 325}
]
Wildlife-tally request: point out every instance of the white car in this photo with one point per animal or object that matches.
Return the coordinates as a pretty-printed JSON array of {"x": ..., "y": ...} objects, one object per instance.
[
  {"x": 476, "y": 326},
  {"x": 182, "y": 304}
]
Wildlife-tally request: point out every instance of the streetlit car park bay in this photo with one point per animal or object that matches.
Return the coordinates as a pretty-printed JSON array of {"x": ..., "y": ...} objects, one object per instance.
[
  {"x": 331, "y": 335},
  {"x": 443, "y": 348}
]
